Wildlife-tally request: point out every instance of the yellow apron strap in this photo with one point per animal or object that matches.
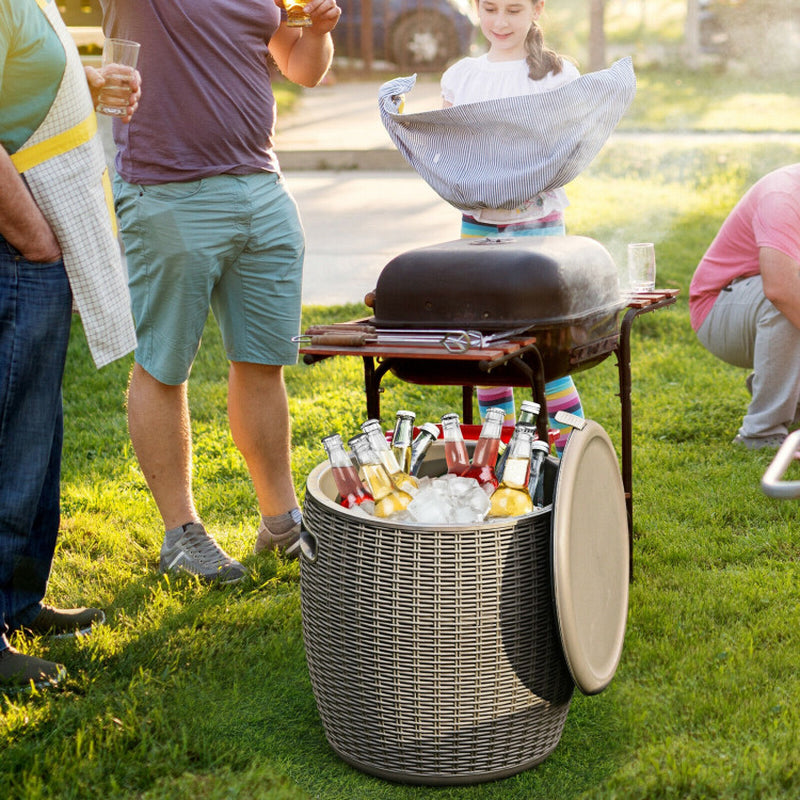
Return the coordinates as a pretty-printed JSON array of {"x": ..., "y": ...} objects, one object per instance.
[
  {"x": 109, "y": 200},
  {"x": 63, "y": 142}
]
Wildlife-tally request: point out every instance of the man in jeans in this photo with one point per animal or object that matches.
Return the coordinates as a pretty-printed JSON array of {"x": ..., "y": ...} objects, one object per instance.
[
  {"x": 744, "y": 301},
  {"x": 57, "y": 249},
  {"x": 208, "y": 223}
]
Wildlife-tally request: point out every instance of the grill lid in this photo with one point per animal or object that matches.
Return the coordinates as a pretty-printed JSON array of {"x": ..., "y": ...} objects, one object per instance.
[{"x": 498, "y": 284}]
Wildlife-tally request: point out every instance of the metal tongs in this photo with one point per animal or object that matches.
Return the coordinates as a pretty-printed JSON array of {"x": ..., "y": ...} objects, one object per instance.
[{"x": 358, "y": 335}]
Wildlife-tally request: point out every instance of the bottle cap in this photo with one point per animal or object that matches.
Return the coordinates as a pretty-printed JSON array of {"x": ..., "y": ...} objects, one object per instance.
[
  {"x": 355, "y": 440},
  {"x": 531, "y": 406},
  {"x": 432, "y": 429},
  {"x": 538, "y": 444},
  {"x": 406, "y": 414}
]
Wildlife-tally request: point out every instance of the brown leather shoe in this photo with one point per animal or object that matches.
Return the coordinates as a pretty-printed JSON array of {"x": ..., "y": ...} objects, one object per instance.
[
  {"x": 19, "y": 672},
  {"x": 61, "y": 623}
]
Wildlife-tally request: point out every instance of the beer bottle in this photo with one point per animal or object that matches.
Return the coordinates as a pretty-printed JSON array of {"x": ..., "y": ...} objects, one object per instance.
[
  {"x": 351, "y": 490},
  {"x": 388, "y": 499},
  {"x": 427, "y": 435},
  {"x": 539, "y": 452},
  {"x": 455, "y": 450},
  {"x": 512, "y": 498},
  {"x": 528, "y": 414},
  {"x": 485, "y": 456},
  {"x": 401, "y": 439},
  {"x": 402, "y": 480}
]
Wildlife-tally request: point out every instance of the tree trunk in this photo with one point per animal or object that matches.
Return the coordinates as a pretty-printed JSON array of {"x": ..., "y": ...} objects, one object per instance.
[
  {"x": 692, "y": 34},
  {"x": 597, "y": 35}
]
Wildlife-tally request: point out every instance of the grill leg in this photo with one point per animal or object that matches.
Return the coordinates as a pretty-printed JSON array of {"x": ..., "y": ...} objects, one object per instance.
[
  {"x": 372, "y": 388},
  {"x": 624, "y": 366},
  {"x": 466, "y": 404}
]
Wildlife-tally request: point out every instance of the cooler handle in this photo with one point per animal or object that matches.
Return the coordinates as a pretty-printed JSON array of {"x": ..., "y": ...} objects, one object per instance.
[
  {"x": 771, "y": 483},
  {"x": 308, "y": 545}
]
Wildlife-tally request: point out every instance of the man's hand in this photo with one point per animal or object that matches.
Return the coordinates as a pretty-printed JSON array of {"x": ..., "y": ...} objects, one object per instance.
[
  {"x": 324, "y": 15},
  {"x": 96, "y": 80},
  {"x": 21, "y": 222}
]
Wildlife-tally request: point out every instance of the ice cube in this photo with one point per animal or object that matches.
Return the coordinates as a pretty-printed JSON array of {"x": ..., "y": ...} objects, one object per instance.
[{"x": 427, "y": 507}]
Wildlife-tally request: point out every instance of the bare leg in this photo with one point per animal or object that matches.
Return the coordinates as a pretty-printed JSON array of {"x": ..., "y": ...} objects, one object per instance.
[
  {"x": 258, "y": 411},
  {"x": 158, "y": 420}
]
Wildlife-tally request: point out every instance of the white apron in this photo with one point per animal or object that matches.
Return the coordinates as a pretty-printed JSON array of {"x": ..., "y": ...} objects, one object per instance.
[{"x": 64, "y": 165}]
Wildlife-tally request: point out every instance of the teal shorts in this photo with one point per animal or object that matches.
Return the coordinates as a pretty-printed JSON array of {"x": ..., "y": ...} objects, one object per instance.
[{"x": 233, "y": 244}]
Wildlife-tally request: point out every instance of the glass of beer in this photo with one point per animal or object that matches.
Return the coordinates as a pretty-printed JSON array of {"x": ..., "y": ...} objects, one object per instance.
[
  {"x": 119, "y": 63},
  {"x": 296, "y": 16}
]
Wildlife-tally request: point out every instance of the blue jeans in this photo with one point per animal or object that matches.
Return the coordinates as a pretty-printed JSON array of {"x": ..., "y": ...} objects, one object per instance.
[{"x": 35, "y": 316}]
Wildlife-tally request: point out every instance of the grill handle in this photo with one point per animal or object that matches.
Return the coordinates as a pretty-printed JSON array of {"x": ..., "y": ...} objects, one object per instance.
[{"x": 771, "y": 483}]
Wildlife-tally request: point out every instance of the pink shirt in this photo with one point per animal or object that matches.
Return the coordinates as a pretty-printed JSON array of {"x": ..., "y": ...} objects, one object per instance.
[{"x": 767, "y": 216}]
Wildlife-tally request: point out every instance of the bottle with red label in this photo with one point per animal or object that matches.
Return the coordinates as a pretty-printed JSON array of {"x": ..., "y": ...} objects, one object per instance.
[
  {"x": 485, "y": 456},
  {"x": 351, "y": 491},
  {"x": 455, "y": 449}
]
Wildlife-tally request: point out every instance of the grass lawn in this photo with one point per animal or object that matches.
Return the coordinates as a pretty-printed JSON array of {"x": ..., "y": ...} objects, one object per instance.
[{"x": 199, "y": 693}]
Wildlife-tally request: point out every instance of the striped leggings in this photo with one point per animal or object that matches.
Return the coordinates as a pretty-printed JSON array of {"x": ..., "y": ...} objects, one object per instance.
[{"x": 560, "y": 394}]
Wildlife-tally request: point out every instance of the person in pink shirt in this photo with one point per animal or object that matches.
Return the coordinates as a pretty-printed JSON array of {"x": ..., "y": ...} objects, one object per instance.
[{"x": 744, "y": 303}]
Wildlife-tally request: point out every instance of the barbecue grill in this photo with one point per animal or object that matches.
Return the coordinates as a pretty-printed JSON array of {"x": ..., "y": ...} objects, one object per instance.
[
  {"x": 529, "y": 310},
  {"x": 563, "y": 290}
]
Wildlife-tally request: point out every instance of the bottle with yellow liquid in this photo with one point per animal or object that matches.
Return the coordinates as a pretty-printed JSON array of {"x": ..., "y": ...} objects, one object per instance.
[
  {"x": 402, "y": 480},
  {"x": 388, "y": 498},
  {"x": 402, "y": 439},
  {"x": 528, "y": 414},
  {"x": 512, "y": 498}
]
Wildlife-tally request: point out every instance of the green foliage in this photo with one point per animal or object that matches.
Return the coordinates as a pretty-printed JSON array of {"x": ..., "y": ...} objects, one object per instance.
[{"x": 198, "y": 692}]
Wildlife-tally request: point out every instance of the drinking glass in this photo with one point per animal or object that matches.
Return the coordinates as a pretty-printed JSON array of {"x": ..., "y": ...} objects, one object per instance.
[
  {"x": 119, "y": 63},
  {"x": 641, "y": 267},
  {"x": 296, "y": 17}
]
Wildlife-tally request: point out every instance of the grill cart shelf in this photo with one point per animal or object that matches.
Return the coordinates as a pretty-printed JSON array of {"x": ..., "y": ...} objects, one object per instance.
[{"x": 511, "y": 360}]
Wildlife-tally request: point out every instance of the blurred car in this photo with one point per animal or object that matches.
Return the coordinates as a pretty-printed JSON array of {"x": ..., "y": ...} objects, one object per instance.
[{"x": 415, "y": 35}]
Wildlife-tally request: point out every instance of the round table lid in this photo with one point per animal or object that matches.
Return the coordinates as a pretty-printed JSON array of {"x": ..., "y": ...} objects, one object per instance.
[{"x": 590, "y": 557}]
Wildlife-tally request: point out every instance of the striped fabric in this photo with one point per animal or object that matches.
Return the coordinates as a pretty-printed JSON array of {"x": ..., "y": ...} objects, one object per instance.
[
  {"x": 562, "y": 395},
  {"x": 500, "y": 153},
  {"x": 497, "y": 397}
]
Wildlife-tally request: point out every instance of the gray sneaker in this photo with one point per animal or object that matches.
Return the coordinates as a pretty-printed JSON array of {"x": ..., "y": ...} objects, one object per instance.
[
  {"x": 759, "y": 442},
  {"x": 193, "y": 549},
  {"x": 288, "y": 543},
  {"x": 18, "y": 671}
]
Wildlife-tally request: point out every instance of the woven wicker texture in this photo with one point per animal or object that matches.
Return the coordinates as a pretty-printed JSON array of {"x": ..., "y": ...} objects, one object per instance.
[{"x": 434, "y": 654}]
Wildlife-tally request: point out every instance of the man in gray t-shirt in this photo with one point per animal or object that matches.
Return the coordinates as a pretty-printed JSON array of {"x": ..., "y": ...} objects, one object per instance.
[{"x": 208, "y": 223}]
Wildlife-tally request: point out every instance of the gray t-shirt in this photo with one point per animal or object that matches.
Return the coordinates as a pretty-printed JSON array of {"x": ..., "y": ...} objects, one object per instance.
[{"x": 207, "y": 105}]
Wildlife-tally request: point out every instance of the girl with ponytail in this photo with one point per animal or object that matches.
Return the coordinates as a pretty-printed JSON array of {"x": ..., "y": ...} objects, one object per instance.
[{"x": 517, "y": 63}]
